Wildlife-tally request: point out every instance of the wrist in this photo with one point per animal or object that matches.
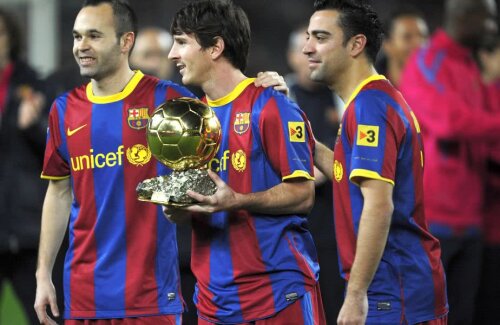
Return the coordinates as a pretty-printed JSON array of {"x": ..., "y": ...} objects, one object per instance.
[
  {"x": 239, "y": 202},
  {"x": 356, "y": 292},
  {"x": 43, "y": 273}
]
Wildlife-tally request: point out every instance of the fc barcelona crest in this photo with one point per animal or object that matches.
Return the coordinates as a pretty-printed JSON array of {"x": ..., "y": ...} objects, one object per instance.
[
  {"x": 138, "y": 118},
  {"x": 241, "y": 122}
]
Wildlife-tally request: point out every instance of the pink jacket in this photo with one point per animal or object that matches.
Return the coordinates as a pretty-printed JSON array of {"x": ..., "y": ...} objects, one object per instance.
[{"x": 442, "y": 84}]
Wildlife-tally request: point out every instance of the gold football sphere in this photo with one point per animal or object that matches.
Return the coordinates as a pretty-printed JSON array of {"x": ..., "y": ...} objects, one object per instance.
[{"x": 184, "y": 133}]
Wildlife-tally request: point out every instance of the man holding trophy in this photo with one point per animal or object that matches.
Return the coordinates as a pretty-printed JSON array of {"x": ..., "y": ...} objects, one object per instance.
[
  {"x": 252, "y": 254},
  {"x": 121, "y": 266}
]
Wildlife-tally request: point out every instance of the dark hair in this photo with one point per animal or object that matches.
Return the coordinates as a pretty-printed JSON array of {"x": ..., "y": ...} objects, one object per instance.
[
  {"x": 404, "y": 11},
  {"x": 208, "y": 19},
  {"x": 125, "y": 17},
  {"x": 13, "y": 34},
  {"x": 356, "y": 18}
]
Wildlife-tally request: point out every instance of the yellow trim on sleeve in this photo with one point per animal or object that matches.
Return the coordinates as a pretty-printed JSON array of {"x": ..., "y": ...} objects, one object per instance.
[
  {"x": 298, "y": 174},
  {"x": 232, "y": 95},
  {"x": 368, "y": 174},
  {"x": 129, "y": 88},
  {"x": 53, "y": 178},
  {"x": 361, "y": 85}
]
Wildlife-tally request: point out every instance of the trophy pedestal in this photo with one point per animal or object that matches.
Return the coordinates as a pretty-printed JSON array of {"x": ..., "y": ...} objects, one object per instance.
[{"x": 171, "y": 190}]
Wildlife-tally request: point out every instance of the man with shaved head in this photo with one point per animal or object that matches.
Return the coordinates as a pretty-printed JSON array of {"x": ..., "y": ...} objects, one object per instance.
[
  {"x": 442, "y": 83},
  {"x": 150, "y": 53}
]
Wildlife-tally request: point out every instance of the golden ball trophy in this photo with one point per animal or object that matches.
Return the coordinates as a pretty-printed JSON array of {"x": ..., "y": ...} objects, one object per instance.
[{"x": 184, "y": 134}]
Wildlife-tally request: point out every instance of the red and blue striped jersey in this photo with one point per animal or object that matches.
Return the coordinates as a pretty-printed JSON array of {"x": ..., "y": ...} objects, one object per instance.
[
  {"x": 380, "y": 139},
  {"x": 248, "y": 265},
  {"x": 122, "y": 255}
]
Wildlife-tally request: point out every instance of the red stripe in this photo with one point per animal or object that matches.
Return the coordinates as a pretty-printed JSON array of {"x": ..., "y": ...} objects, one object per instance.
[
  {"x": 84, "y": 242},
  {"x": 141, "y": 288},
  {"x": 344, "y": 227},
  {"x": 200, "y": 263},
  {"x": 254, "y": 287},
  {"x": 274, "y": 142}
]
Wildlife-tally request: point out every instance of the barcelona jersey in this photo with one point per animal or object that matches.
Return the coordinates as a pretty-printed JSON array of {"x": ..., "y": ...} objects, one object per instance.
[
  {"x": 380, "y": 139},
  {"x": 249, "y": 265},
  {"x": 122, "y": 255}
]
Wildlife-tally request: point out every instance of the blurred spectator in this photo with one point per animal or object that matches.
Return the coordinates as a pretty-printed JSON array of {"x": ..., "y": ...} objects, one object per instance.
[
  {"x": 320, "y": 105},
  {"x": 150, "y": 54},
  {"x": 23, "y": 127},
  {"x": 405, "y": 31},
  {"x": 442, "y": 84},
  {"x": 489, "y": 290}
]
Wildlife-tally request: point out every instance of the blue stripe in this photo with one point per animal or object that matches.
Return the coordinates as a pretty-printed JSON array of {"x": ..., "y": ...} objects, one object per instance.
[
  {"x": 430, "y": 72},
  {"x": 307, "y": 309},
  {"x": 61, "y": 106},
  {"x": 109, "y": 194},
  {"x": 166, "y": 254},
  {"x": 166, "y": 240},
  {"x": 221, "y": 264}
]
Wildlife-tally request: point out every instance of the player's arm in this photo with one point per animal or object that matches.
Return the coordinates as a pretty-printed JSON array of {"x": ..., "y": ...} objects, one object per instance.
[
  {"x": 294, "y": 196},
  {"x": 372, "y": 237},
  {"x": 55, "y": 215},
  {"x": 323, "y": 159}
]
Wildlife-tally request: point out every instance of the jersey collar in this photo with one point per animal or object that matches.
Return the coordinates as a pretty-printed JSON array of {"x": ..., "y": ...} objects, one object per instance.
[
  {"x": 361, "y": 85},
  {"x": 118, "y": 96},
  {"x": 232, "y": 95}
]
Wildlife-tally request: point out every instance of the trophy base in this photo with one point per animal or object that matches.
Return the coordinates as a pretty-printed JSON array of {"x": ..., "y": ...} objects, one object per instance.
[{"x": 171, "y": 190}]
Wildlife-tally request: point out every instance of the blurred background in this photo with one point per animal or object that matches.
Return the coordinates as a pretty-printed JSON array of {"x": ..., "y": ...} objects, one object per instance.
[
  {"x": 47, "y": 26},
  {"x": 46, "y": 30}
]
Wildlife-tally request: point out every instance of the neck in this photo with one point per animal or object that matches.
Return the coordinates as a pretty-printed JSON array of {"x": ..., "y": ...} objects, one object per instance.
[
  {"x": 489, "y": 78},
  {"x": 223, "y": 79},
  {"x": 112, "y": 84},
  {"x": 394, "y": 70},
  {"x": 347, "y": 82}
]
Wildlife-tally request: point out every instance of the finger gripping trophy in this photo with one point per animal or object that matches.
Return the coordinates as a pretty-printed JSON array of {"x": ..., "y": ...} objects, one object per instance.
[{"x": 184, "y": 134}]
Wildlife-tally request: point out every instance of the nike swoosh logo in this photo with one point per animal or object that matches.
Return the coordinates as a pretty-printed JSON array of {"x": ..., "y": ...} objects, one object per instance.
[{"x": 71, "y": 132}]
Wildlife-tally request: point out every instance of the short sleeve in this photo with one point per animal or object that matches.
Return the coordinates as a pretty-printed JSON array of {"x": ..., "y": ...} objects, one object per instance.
[
  {"x": 287, "y": 138},
  {"x": 376, "y": 135},
  {"x": 54, "y": 165}
]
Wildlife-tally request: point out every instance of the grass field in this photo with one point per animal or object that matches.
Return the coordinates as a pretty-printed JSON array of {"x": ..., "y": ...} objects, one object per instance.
[{"x": 11, "y": 312}]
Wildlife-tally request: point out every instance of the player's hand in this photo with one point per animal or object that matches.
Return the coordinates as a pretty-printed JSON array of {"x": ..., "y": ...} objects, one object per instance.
[
  {"x": 354, "y": 310},
  {"x": 271, "y": 79},
  {"x": 46, "y": 296},
  {"x": 223, "y": 199},
  {"x": 176, "y": 215}
]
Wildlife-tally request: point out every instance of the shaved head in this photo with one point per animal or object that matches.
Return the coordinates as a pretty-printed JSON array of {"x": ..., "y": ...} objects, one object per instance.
[{"x": 469, "y": 21}]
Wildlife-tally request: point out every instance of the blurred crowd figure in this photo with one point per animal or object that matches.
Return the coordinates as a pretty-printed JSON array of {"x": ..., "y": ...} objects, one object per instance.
[
  {"x": 442, "y": 83},
  {"x": 488, "y": 57},
  {"x": 150, "y": 53},
  {"x": 23, "y": 124},
  {"x": 405, "y": 31},
  {"x": 323, "y": 109}
]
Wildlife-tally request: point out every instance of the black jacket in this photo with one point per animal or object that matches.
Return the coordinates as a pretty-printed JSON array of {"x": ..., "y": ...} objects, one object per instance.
[{"x": 21, "y": 158}]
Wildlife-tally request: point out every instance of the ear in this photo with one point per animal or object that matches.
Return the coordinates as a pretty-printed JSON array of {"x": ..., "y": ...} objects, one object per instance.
[
  {"x": 127, "y": 41},
  {"x": 217, "y": 49},
  {"x": 357, "y": 44}
]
